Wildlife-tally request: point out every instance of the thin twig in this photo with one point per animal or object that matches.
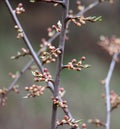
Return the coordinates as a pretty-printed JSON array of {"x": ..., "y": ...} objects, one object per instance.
[
  {"x": 60, "y": 58},
  {"x": 107, "y": 89},
  {"x": 94, "y": 4}
]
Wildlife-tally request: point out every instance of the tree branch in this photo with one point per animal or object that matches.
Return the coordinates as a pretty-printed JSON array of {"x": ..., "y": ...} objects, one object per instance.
[
  {"x": 107, "y": 89},
  {"x": 59, "y": 62},
  {"x": 60, "y": 58}
]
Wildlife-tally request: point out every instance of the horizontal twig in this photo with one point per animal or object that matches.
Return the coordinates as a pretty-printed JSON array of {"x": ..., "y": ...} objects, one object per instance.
[{"x": 94, "y": 4}]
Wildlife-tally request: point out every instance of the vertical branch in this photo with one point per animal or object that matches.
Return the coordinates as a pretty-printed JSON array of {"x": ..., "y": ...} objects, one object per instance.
[
  {"x": 60, "y": 62},
  {"x": 107, "y": 90}
]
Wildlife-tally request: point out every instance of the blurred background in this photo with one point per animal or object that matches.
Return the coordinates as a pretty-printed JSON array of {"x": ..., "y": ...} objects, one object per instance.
[{"x": 83, "y": 89}]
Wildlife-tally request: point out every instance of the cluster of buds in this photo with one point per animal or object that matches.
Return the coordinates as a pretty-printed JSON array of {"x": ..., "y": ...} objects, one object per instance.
[
  {"x": 111, "y": 1},
  {"x": 23, "y": 52},
  {"x": 62, "y": 104},
  {"x": 114, "y": 100},
  {"x": 80, "y": 20},
  {"x": 20, "y": 32},
  {"x": 35, "y": 91},
  {"x": 71, "y": 122},
  {"x": 57, "y": 27},
  {"x": 3, "y": 98},
  {"x": 19, "y": 9},
  {"x": 96, "y": 122},
  {"x": 111, "y": 45},
  {"x": 50, "y": 54},
  {"x": 76, "y": 65},
  {"x": 45, "y": 76},
  {"x": 79, "y": 6}
]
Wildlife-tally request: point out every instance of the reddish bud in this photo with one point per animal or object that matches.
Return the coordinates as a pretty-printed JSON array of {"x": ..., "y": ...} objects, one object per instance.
[
  {"x": 20, "y": 5},
  {"x": 83, "y": 58},
  {"x": 74, "y": 60},
  {"x": 84, "y": 126},
  {"x": 45, "y": 70}
]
